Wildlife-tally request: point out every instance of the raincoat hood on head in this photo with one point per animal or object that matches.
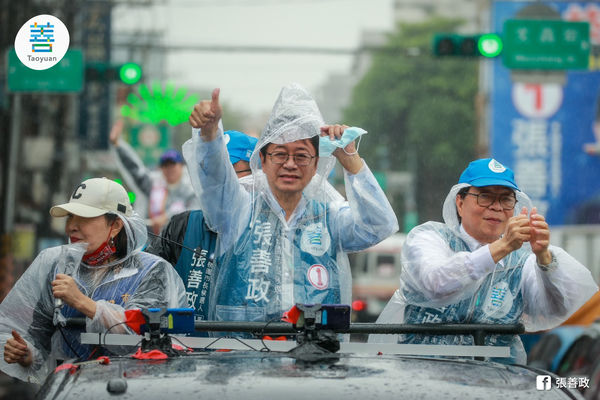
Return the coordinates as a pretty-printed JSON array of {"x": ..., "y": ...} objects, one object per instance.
[
  {"x": 295, "y": 116},
  {"x": 137, "y": 233}
]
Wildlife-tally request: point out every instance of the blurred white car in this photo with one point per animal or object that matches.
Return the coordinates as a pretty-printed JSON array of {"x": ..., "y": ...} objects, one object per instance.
[{"x": 375, "y": 274}]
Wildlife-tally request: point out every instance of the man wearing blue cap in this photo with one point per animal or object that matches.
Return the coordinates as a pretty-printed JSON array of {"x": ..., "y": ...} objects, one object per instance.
[
  {"x": 490, "y": 262},
  {"x": 168, "y": 192},
  {"x": 240, "y": 147},
  {"x": 188, "y": 230}
]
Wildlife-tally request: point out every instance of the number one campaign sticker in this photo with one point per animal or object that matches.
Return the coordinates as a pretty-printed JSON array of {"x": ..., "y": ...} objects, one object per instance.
[
  {"x": 537, "y": 100},
  {"x": 318, "y": 276},
  {"x": 42, "y": 42}
]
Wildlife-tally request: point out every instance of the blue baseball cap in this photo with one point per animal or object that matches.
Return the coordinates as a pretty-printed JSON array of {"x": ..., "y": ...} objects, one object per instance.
[
  {"x": 239, "y": 146},
  {"x": 170, "y": 155},
  {"x": 488, "y": 172}
]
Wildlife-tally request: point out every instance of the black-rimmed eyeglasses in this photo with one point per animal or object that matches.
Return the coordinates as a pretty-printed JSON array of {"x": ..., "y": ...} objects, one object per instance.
[
  {"x": 507, "y": 201},
  {"x": 302, "y": 159}
]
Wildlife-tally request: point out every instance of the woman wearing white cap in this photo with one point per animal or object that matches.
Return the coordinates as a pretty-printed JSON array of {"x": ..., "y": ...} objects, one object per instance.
[{"x": 99, "y": 275}]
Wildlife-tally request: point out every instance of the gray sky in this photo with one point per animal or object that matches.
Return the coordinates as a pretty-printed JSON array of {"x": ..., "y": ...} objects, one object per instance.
[{"x": 251, "y": 81}]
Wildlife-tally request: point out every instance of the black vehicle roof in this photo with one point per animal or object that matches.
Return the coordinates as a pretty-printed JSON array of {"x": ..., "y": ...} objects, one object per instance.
[{"x": 271, "y": 375}]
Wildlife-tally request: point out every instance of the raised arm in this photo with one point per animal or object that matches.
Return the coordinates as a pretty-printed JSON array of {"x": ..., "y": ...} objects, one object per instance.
[
  {"x": 367, "y": 218},
  {"x": 225, "y": 204},
  {"x": 130, "y": 164}
]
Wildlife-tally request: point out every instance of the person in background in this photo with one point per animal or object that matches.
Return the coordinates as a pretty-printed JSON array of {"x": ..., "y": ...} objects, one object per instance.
[
  {"x": 168, "y": 192},
  {"x": 284, "y": 240},
  {"x": 489, "y": 262},
  {"x": 188, "y": 230},
  {"x": 98, "y": 276}
]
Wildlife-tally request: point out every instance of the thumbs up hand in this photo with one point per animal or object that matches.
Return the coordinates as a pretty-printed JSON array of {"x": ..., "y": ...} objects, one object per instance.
[
  {"x": 16, "y": 351},
  {"x": 206, "y": 116}
]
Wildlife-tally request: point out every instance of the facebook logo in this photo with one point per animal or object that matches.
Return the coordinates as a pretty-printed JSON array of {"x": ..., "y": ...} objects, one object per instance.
[{"x": 543, "y": 382}]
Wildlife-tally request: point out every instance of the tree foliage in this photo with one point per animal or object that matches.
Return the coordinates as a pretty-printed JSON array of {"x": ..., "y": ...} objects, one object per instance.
[{"x": 420, "y": 112}]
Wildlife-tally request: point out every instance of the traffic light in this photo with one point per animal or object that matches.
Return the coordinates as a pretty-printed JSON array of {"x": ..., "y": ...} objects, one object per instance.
[
  {"x": 452, "y": 44},
  {"x": 490, "y": 45},
  {"x": 128, "y": 73}
]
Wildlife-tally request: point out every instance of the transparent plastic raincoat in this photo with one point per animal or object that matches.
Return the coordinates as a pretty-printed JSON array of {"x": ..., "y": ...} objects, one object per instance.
[
  {"x": 447, "y": 276},
  {"x": 138, "y": 280},
  {"x": 267, "y": 264}
]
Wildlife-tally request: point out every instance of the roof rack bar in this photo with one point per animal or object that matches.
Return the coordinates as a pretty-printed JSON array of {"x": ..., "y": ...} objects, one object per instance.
[{"x": 479, "y": 331}]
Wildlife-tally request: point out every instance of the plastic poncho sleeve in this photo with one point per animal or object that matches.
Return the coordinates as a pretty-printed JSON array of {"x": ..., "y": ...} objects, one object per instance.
[
  {"x": 28, "y": 309},
  {"x": 439, "y": 275},
  {"x": 551, "y": 296},
  {"x": 225, "y": 203},
  {"x": 367, "y": 217},
  {"x": 132, "y": 167},
  {"x": 160, "y": 287}
]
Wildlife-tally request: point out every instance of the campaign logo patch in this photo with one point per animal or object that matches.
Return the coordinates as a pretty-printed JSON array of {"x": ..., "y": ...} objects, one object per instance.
[
  {"x": 318, "y": 276},
  {"x": 495, "y": 166},
  {"x": 499, "y": 301},
  {"x": 315, "y": 240}
]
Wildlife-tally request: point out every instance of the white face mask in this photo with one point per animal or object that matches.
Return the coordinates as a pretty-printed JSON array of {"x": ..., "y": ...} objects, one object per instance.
[{"x": 328, "y": 146}]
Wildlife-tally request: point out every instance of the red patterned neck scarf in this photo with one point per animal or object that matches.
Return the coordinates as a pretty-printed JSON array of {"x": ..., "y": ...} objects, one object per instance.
[{"x": 102, "y": 253}]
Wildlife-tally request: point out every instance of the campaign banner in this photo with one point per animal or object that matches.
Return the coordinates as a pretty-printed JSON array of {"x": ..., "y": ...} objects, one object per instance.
[{"x": 549, "y": 133}]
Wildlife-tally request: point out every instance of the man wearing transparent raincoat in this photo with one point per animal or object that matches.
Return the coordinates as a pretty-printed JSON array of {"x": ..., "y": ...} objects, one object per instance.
[
  {"x": 490, "y": 262},
  {"x": 99, "y": 275},
  {"x": 283, "y": 240}
]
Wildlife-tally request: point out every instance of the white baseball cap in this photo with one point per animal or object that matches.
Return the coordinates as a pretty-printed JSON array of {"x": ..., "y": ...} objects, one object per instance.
[{"x": 95, "y": 197}]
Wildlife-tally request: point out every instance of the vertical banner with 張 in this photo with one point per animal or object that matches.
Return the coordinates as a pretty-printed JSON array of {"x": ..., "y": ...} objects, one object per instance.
[{"x": 549, "y": 132}]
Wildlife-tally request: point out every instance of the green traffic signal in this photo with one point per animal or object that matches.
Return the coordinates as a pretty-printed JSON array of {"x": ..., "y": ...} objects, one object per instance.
[
  {"x": 490, "y": 45},
  {"x": 130, "y": 73},
  {"x": 452, "y": 44}
]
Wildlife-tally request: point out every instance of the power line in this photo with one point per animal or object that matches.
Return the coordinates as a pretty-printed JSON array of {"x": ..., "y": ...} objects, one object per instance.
[
  {"x": 224, "y": 48},
  {"x": 226, "y": 3}
]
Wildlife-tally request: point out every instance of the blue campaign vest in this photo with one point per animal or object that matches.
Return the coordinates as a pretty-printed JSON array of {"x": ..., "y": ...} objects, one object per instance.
[
  {"x": 251, "y": 279},
  {"x": 495, "y": 302},
  {"x": 194, "y": 269},
  {"x": 115, "y": 288}
]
